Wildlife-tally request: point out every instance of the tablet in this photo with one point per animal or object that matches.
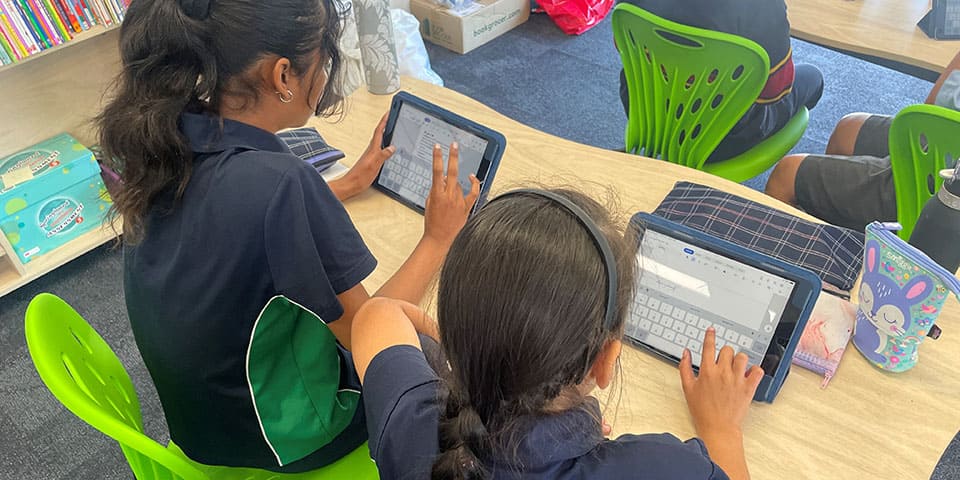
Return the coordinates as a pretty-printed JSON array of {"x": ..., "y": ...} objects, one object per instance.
[
  {"x": 689, "y": 281},
  {"x": 414, "y": 126}
]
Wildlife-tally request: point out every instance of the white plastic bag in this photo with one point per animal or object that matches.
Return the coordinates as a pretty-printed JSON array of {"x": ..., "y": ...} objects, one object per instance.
[
  {"x": 352, "y": 62},
  {"x": 411, "y": 52}
]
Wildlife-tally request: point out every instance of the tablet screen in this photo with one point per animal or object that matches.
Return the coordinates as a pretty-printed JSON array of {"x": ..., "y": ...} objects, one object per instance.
[
  {"x": 409, "y": 172},
  {"x": 691, "y": 288}
]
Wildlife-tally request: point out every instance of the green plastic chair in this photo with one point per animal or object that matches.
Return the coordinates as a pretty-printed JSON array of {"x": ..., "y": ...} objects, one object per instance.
[
  {"x": 924, "y": 139},
  {"x": 86, "y": 376},
  {"x": 688, "y": 87}
]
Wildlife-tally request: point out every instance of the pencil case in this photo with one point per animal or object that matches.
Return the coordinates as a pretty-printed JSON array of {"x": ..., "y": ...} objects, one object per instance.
[
  {"x": 901, "y": 294},
  {"x": 309, "y": 145}
]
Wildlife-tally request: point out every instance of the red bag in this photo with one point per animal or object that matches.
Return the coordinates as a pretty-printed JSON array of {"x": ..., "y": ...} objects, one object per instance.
[{"x": 576, "y": 16}]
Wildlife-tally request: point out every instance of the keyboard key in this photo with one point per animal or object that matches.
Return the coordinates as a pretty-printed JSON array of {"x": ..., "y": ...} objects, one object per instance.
[
  {"x": 681, "y": 340},
  {"x": 695, "y": 357},
  {"x": 691, "y": 319},
  {"x": 653, "y": 303},
  {"x": 641, "y": 298},
  {"x": 703, "y": 324},
  {"x": 669, "y": 335},
  {"x": 666, "y": 308},
  {"x": 657, "y": 330},
  {"x": 701, "y": 334},
  {"x": 745, "y": 342},
  {"x": 721, "y": 330},
  {"x": 666, "y": 321},
  {"x": 654, "y": 316},
  {"x": 645, "y": 325},
  {"x": 731, "y": 336},
  {"x": 694, "y": 345},
  {"x": 720, "y": 343},
  {"x": 691, "y": 332},
  {"x": 643, "y": 311},
  {"x": 678, "y": 327},
  {"x": 678, "y": 313}
]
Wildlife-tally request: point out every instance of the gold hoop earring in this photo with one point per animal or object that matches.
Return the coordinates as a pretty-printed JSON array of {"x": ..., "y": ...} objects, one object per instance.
[{"x": 285, "y": 100}]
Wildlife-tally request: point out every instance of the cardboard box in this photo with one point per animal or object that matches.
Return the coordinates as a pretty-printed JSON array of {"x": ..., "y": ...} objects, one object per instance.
[
  {"x": 476, "y": 25},
  {"x": 60, "y": 218},
  {"x": 34, "y": 174}
]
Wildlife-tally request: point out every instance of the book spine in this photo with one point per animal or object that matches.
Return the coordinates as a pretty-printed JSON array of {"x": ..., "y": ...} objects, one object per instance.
[
  {"x": 33, "y": 25},
  {"x": 46, "y": 22},
  {"x": 95, "y": 8},
  {"x": 8, "y": 29},
  {"x": 58, "y": 21},
  {"x": 68, "y": 15},
  {"x": 121, "y": 10},
  {"x": 27, "y": 36},
  {"x": 78, "y": 10},
  {"x": 104, "y": 12},
  {"x": 6, "y": 52}
]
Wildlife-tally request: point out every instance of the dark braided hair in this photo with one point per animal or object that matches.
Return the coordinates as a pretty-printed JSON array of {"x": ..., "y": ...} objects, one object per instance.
[
  {"x": 531, "y": 333},
  {"x": 187, "y": 55}
]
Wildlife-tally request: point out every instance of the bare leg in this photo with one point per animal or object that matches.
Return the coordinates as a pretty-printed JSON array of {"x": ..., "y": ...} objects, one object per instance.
[
  {"x": 844, "y": 137},
  {"x": 783, "y": 180}
]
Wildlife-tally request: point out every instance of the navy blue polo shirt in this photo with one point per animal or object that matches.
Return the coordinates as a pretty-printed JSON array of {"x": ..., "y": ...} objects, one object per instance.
[
  {"x": 255, "y": 222},
  {"x": 402, "y": 404}
]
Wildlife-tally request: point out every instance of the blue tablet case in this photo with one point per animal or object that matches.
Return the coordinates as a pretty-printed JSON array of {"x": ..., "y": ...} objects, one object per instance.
[
  {"x": 804, "y": 298},
  {"x": 493, "y": 137}
]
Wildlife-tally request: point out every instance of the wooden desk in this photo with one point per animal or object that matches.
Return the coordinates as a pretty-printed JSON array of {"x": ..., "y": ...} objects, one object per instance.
[
  {"x": 859, "y": 427},
  {"x": 881, "y": 28}
]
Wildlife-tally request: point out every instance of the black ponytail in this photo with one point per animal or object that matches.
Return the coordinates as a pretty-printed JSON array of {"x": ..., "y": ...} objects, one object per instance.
[
  {"x": 187, "y": 55},
  {"x": 520, "y": 340}
]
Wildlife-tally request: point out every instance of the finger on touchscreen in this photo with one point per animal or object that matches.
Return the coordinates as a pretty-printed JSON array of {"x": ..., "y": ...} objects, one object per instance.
[
  {"x": 437, "y": 166},
  {"x": 453, "y": 166},
  {"x": 709, "y": 352}
]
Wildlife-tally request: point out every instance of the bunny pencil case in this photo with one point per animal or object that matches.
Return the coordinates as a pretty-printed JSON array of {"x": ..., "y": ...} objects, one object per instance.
[{"x": 901, "y": 294}]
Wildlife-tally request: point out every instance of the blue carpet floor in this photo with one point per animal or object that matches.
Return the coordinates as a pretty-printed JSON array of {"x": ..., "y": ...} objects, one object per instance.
[{"x": 563, "y": 85}]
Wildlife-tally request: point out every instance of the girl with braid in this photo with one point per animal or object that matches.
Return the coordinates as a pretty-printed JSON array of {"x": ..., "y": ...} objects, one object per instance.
[{"x": 531, "y": 306}]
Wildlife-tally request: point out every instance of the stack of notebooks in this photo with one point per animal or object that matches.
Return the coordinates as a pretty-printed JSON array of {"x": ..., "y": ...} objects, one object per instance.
[{"x": 28, "y": 27}]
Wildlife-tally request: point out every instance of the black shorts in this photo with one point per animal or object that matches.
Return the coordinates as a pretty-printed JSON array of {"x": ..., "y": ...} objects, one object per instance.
[{"x": 851, "y": 191}]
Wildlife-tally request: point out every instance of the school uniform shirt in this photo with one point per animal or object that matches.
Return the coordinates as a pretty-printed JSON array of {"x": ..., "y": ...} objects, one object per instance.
[
  {"x": 403, "y": 408},
  {"x": 255, "y": 223}
]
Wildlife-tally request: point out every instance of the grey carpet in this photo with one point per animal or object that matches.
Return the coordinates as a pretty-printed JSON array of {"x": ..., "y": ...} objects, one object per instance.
[{"x": 563, "y": 85}]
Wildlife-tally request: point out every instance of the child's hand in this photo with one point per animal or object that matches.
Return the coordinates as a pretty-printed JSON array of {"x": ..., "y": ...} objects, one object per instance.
[
  {"x": 368, "y": 166},
  {"x": 447, "y": 208},
  {"x": 719, "y": 397}
]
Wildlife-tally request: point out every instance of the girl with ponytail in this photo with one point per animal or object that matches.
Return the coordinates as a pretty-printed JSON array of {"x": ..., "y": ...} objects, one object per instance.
[
  {"x": 531, "y": 306},
  {"x": 234, "y": 248}
]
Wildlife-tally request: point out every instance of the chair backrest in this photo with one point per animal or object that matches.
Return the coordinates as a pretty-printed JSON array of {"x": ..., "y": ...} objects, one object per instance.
[
  {"x": 924, "y": 139},
  {"x": 688, "y": 86},
  {"x": 86, "y": 376}
]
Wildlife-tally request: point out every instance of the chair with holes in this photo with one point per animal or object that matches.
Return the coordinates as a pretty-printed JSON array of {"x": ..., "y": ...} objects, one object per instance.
[
  {"x": 86, "y": 376},
  {"x": 688, "y": 87},
  {"x": 923, "y": 140}
]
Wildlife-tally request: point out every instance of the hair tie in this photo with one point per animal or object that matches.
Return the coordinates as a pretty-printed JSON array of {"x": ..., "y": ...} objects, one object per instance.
[{"x": 196, "y": 9}]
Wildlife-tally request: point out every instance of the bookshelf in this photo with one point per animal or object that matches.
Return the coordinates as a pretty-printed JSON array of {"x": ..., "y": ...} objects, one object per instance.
[{"x": 58, "y": 90}]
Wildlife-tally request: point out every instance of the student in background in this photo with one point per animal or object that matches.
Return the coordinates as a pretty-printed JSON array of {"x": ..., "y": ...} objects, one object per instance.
[
  {"x": 851, "y": 184},
  {"x": 219, "y": 218},
  {"x": 765, "y": 22},
  {"x": 522, "y": 307}
]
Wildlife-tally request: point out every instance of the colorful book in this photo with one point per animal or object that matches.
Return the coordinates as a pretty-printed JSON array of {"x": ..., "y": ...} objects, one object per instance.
[
  {"x": 33, "y": 25},
  {"x": 26, "y": 35},
  {"x": 8, "y": 44},
  {"x": 45, "y": 22},
  {"x": 91, "y": 18},
  {"x": 98, "y": 12},
  {"x": 78, "y": 11},
  {"x": 58, "y": 22},
  {"x": 69, "y": 16},
  {"x": 6, "y": 27},
  {"x": 5, "y": 52}
]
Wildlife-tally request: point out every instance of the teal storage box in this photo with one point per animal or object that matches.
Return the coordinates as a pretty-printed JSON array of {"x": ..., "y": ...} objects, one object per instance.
[
  {"x": 51, "y": 193},
  {"x": 54, "y": 165},
  {"x": 58, "y": 219}
]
